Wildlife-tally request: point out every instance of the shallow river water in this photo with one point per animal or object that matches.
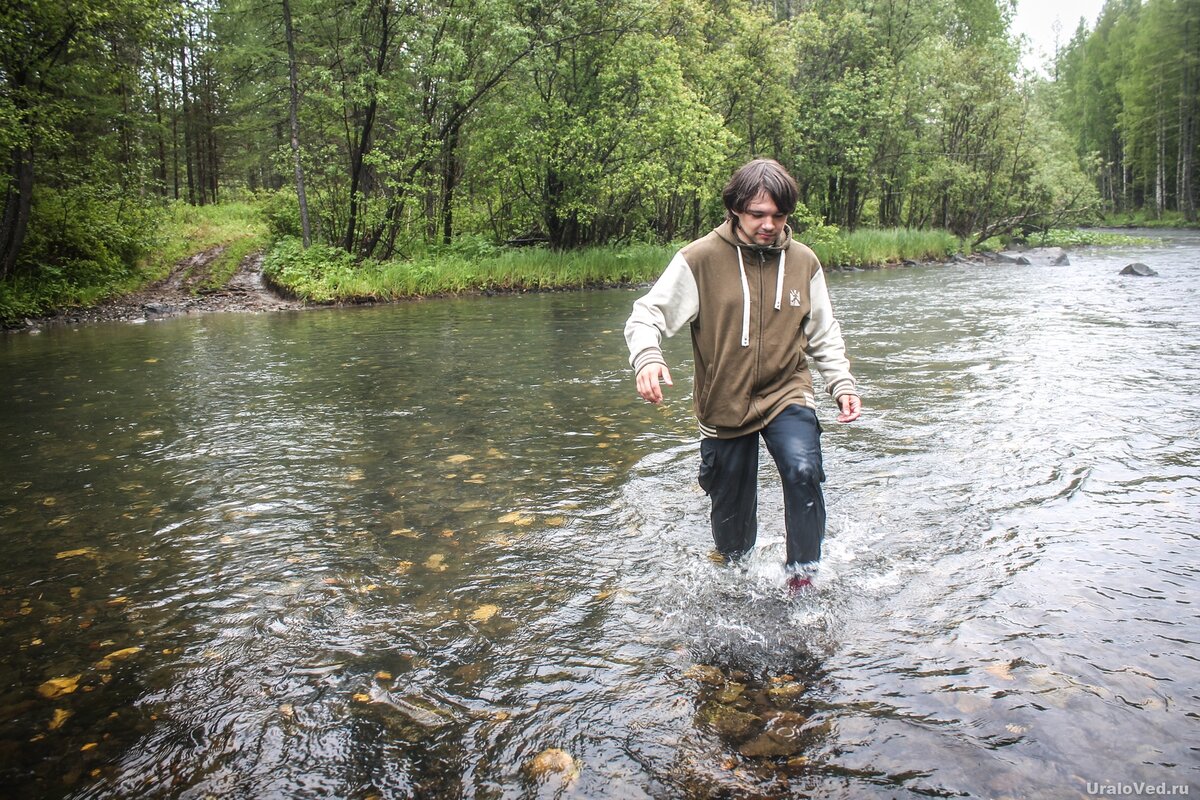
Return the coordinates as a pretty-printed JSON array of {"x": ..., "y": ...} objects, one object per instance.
[{"x": 442, "y": 550}]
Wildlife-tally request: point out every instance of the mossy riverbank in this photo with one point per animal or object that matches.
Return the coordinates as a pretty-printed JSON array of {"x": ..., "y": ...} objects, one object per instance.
[{"x": 471, "y": 265}]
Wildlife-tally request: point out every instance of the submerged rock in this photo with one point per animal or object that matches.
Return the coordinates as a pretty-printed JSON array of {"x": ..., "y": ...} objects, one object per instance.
[
  {"x": 1140, "y": 269},
  {"x": 727, "y": 720},
  {"x": 730, "y": 693},
  {"x": 1060, "y": 260},
  {"x": 552, "y": 762},
  {"x": 770, "y": 743},
  {"x": 788, "y": 690},
  {"x": 705, "y": 673}
]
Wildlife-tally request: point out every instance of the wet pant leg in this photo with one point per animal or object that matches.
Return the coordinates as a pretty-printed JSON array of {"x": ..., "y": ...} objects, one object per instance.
[
  {"x": 794, "y": 440},
  {"x": 729, "y": 475}
]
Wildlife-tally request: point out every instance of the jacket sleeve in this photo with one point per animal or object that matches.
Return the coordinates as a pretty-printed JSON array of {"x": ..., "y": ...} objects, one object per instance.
[
  {"x": 670, "y": 304},
  {"x": 825, "y": 344}
]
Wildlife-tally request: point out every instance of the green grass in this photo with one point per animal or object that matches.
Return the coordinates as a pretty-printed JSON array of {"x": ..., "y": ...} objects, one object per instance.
[
  {"x": 323, "y": 274},
  {"x": 326, "y": 274},
  {"x": 187, "y": 230},
  {"x": 1085, "y": 237},
  {"x": 172, "y": 234},
  {"x": 1146, "y": 219},
  {"x": 878, "y": 247},
  {"x": 1067, "y": 237}
]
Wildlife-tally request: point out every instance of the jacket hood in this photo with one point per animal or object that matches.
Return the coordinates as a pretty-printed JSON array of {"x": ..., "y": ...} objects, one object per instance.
[
  {"x": 728, "y": 233},
  {"x": 727, "y": 230}
]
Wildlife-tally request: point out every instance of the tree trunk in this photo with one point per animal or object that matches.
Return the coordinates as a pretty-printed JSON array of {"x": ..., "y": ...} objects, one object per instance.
[
  {"x": 174, "y": 131},
  {"x": 449, "y": 179},
  {"x": 294, "y": 119},
  {"x": 364, "y": 140},
  {"x": 161, "y": 170},
  {"x": 1160, "y": 163},
  {"x": 17, "y": 204},
  {"x": 185, "y": 100},
  {"x": 1187, "y": 129}
]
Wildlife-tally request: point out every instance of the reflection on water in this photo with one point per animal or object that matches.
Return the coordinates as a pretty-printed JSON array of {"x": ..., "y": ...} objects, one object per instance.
[{"x": 442, "y": 550}]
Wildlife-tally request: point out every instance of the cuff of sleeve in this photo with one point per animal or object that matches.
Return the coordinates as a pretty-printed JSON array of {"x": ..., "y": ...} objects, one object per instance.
[
  {"x": 841, "y": 388},
  {"x": 650, "y": 355}
]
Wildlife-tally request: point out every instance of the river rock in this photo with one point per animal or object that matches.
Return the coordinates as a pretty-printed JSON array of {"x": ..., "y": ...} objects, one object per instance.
[
  {"x": 1140, "y": 269},
  {"x": 730, "y": 693},
  {"x": 726, "y": 720},
  {"x": 552, "y": 761},
  {"x": 1008, "y": 258},
  {"x": 788, "y": 690},
  {"x": 786, "y": 723},
  {"x": 771, "y": 744},
  {"x": 705, "y": 673},
  {"x": 1060, "y": 259}
]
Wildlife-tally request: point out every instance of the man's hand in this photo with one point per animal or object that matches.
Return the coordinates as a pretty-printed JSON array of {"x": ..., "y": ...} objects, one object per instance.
[
  {"x": 647, "y": 381},
  {"x": 851, "y": 405}
]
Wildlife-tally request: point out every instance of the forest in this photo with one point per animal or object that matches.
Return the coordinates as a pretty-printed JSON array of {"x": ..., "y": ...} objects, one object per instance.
[{"x": 381, "y": 127}]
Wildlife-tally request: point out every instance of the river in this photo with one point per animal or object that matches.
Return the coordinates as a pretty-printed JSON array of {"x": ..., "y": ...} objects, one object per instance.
[{"x": 441, "y": 550}]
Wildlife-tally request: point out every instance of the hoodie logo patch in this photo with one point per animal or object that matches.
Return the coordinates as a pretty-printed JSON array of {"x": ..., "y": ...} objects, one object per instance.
[{"x": 794, "y": 297}]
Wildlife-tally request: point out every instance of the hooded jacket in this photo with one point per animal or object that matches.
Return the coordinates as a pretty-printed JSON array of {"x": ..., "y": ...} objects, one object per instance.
[{"x": 755, "y": 314}]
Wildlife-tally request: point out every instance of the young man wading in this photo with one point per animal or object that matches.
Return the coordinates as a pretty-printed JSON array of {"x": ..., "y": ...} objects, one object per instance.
[{"x": 758, "y": 307}]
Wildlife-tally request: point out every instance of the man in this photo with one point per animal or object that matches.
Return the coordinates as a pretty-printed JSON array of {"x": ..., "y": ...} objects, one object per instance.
[{"x": 758, "y": 308}]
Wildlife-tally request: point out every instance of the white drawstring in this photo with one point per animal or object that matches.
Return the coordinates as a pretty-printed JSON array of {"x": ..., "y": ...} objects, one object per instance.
[
  {"x": 746, "y": 293},
  {"x": 779, "y": 282},
  {"x": 745, "y": 300}
]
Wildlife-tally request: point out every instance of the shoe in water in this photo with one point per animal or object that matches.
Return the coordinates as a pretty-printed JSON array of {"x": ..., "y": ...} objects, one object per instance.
[{"x": 798, "y": 584}]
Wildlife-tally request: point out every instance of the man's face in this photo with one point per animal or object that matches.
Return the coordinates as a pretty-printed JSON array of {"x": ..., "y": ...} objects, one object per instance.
[{"x": 761, "y": 221}]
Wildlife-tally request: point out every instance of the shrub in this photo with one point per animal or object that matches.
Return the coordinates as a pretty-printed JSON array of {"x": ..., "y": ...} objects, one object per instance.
[
  {"x": 282, "y": 212},
  {"x": 319, "y": 273}
]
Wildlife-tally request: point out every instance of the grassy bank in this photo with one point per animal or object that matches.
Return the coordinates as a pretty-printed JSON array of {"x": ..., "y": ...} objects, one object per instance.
[
  {"x": 1066, "y": 238},
  {"x": 877, "y": 247},
  {"x": 323, "y": 274},
  {"x": 1144, "y": 219},
  {"x": 84, "y": 275}
]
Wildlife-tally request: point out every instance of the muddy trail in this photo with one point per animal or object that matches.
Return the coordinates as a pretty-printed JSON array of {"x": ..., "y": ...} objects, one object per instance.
[{"x": 186, "y": 290}]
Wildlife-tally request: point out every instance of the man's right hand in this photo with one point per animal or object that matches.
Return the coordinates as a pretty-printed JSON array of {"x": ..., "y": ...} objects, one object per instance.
[{"x": 647, "y": 381}]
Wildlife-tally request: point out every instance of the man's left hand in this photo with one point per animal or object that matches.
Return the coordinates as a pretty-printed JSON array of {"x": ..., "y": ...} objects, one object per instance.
[{"x": 851, "y": 405}]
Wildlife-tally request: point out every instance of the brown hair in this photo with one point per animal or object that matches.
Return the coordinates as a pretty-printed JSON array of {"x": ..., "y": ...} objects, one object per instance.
[{"x": 760, "y": 175}]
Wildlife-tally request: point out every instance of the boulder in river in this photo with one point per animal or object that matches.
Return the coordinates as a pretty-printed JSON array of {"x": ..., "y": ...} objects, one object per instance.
[
  {"x": 1060, "y": 259},
  {"x": 771, "y": 744},
  {"x": 553, "y": 762},
  {"x": 727, "y": 720},
  {"x": 1141, "y": 269}
]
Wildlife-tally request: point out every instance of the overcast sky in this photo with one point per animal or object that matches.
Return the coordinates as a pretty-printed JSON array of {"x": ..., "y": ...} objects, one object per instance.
[{"x": 1036, "y": 18}]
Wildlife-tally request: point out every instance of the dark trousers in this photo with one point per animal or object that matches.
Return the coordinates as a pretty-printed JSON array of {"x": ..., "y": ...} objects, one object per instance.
[{"x": 729, "y": 475}]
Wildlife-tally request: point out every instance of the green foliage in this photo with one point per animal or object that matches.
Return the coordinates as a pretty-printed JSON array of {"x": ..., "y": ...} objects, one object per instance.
[
  {"x": 324, "y": 274},
  {"x": 82, "y": 245},
  {"x": 282, "y": 213},
  {"x": 1146, "y": 218},
  {"x": 875, "y": 247},
  {"x": 1083, "y": 237},
  {"x": 82, "y": 248},
  {"x": 1129, "y": 93},
  {"x": 320, "y": 273},
  {"x": 429, "y": 135}
]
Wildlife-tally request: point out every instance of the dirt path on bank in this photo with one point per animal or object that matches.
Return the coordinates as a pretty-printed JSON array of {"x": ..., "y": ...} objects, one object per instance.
[{"x": 184, "y": 291}]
